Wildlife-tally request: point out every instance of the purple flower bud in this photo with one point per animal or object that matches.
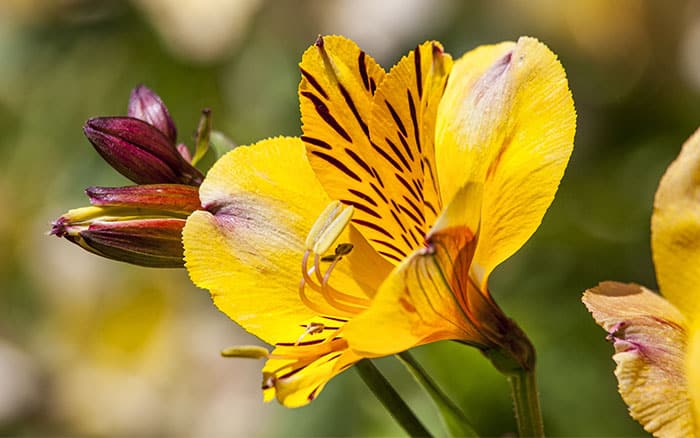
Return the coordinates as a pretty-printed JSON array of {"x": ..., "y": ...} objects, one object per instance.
[
  {"x": 139, "y": 151},
  {"x": 141, "y": 225},
  {"x": 146, "y": 105}
]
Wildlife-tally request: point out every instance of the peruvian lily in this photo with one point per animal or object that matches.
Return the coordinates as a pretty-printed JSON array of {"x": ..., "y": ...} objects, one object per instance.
[
  {"x": 139, "y": 224},
  {"x": 377, "y": 230},
  {"x": 657, "y": 339}
]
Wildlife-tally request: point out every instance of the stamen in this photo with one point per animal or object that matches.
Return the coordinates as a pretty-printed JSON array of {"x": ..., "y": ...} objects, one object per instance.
[
  {"x": 325, "y": 292},
  {"x": 340, "y": 250},
  {"x": 333, "y": 294},
  {"x": 306, "y": 279},
  {"x": 269, "y": 380},
  {"x": 325, "y": 231},
  {"x": 313, "y": 328},
  {"x": 306, "y": 272},
  {"x": 305, "y": 299}
]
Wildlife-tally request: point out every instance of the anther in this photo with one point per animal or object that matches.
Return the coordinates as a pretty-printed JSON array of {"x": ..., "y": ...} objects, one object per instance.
[
  {"x": 341, "y": 250},
  {"x": 313, "y": 328},
  {"x": 269, "y": 380}
]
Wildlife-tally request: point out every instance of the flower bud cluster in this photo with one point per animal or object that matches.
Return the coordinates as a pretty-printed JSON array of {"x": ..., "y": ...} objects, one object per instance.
[{"x": 139, "y": 224}]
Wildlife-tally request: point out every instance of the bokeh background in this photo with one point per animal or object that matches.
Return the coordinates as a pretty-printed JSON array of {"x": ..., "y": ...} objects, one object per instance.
[{"x": 94, "y": 347}]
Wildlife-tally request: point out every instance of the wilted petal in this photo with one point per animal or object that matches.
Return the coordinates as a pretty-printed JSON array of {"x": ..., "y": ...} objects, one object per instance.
[
  {"x": 139, "y": 151},
  {"x": 507, "y": 120},
  {"x": 675, "y": 230},
  {"x": 146, "y": 105},
  {"x": 650, "y": 338}
]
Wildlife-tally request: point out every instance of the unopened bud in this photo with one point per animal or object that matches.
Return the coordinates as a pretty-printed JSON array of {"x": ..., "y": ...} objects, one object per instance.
[
  {"x": 140, "y": 151},
  {"x": 146, "y": 105},
  {"x": 141, "y": 225}
]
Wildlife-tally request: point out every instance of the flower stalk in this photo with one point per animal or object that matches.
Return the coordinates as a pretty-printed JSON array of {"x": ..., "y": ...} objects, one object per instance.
[
  {"x": 455, "y": 421},
  {"x": 527, "y": 403},
  {"x": 515, "y": 358},
  {"x": 391, "y": 400}
]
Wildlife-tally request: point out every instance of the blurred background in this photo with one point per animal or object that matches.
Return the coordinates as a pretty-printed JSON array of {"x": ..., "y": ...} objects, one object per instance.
[{"x": 93, "y": 347}]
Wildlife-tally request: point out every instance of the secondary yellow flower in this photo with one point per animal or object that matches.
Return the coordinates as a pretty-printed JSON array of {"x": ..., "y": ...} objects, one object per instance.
[
  {"x": 377, "y": 230},
  {"x": 657, "y": 340}
]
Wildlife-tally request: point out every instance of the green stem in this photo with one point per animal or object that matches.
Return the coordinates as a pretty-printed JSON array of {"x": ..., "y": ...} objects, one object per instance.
[
  {"x": 453, "y": 417},
  {"x": 527, "y": 403},
  {"x": 391, "y": 400}
]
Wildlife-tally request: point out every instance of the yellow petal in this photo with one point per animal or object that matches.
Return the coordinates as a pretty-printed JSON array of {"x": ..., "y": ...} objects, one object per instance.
[
  {"x": 295, "y": 383},
  {"x": 469, "y": 115},
  {"x": 650, "y": 337},
  {"x": 388, "y": 178},
  {"x": 428, "y": 297},
  {"x": 247, "y": 246},
  {"x": 675, "y": 230},
  {"x": 402, "y": 127},
  {"x": 507, "y": 119}
]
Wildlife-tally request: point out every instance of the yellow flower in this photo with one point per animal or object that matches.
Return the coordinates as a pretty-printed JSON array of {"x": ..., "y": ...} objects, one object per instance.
[
  {"x": 657, "y": 340},
  {"x": 376, "y": 231}
]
